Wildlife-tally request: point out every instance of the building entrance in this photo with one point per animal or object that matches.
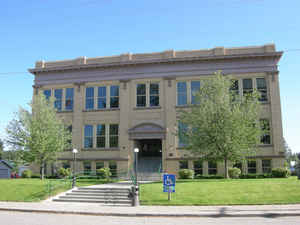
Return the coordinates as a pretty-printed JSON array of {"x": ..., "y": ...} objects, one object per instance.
[{"x": 149, "y": 156}]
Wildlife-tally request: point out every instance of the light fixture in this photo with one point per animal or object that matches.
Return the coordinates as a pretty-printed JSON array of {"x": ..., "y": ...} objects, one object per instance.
[{"x": 136, "y": 149}]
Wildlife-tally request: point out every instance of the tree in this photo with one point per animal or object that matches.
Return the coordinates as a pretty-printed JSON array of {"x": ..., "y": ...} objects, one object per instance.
[
  {"x": 39, "y": 134},
  {"x": 1, "y": 149},
  {"x": 289, "y": 155},
  {"x": 223, "y": 126}
]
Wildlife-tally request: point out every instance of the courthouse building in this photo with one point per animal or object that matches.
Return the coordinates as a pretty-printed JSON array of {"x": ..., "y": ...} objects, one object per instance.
[{"x": 116, "y": 103}]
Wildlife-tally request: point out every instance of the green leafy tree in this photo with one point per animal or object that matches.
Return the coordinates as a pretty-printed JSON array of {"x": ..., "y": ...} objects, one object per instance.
[
  {"x": 1, "y": 149},
  {"x": 39, "y": 134},
  {"x": 223, "y": 126}
]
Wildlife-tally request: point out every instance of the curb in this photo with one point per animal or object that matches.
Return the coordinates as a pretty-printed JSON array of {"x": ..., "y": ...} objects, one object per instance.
[{"x": 212, "y": 215}]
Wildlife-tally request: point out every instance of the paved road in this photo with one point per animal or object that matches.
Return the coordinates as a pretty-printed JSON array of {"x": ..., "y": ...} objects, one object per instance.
[{"x": 19, "y": 218}]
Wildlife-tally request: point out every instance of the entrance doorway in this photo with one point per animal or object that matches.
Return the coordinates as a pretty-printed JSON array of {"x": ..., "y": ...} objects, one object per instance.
[{"x": 150, "y": 155}]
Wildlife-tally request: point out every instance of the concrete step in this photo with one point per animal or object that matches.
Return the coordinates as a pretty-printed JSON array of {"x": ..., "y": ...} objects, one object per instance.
[
  {"x": 106, "y": 201},
  {"x": 99, "y": 191},
  {"x": 103, "y": 189},
  {"x": 95, "y": 197},
  {"x": 97, "y": 194}
]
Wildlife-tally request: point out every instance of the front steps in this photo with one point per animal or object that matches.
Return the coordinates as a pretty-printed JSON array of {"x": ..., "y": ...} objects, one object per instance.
[{"x": 103, "y": 195}]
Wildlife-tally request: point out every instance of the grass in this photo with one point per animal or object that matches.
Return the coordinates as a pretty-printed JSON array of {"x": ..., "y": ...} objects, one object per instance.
[
  {"x": 33, "y": 190},
  {"x": 224, "y": 192}
]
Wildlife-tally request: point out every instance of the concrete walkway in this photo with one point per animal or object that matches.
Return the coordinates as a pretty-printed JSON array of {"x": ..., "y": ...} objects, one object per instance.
[
  {"x": 96, "y": 209},
  {"x": 154, "y": 211}
]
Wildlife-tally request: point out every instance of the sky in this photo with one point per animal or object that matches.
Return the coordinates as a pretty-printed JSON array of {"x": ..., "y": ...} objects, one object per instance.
[{"x": 32, "y": 30}]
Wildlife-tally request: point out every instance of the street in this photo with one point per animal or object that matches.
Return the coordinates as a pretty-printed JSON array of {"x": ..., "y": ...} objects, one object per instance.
[{"x": 19, "y": 218}]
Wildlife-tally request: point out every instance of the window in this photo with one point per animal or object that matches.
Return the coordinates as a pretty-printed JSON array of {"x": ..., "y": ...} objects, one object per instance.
[
  {"x": 113, "y": 135},
  {"x": 234, "y": 88},
  {"x": 265, "y": 126},
  {"x": 47, "y": 94},
  {"x": 212, "y": 168},
  {"x": 69, "y": 128},
  {"x": 86, "y": 167},
  {"x": 266, "y": 165},
  {"x": 58, "y": 99},
  {"x": 154, "y": 94},
  {"x": 198, "y": 167},
  {"x": 66, "y": 165},
  {"x": 114, "y": 96},
  {"x": 195, "y": 88},
  {"x": 69, "y": 98},
  {"x": 99, "y": 165},
  {"x": 181, "y": 93},
  {"x": 101, "y": 97},
  {"x": 251, "y": 166},
  {"x": 89, "y": 98},
  {"x": 262, "y": 88},
  {"x": 88, "y": 136},
  {"x": 141, "y": 95},
  {"x": 247, "y": 86},
  {"x": 183, "y": 164},
  {"x": 182, "y": 129},
  {"x": 112, "y": 165},
  {"x": 101, "y": 136}
]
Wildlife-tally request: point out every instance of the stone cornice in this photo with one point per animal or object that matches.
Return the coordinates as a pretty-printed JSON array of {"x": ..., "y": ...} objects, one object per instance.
[{"x": 183, "y": 56}]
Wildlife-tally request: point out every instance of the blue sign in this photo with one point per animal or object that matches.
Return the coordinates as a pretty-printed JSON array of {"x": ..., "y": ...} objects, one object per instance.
[{"x": 169, "y": 181}]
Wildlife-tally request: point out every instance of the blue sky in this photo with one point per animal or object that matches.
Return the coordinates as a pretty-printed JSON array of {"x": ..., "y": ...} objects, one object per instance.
[{"x": 32, "y": 30}]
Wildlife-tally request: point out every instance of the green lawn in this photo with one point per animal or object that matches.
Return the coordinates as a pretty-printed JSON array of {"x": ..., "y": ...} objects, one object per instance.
[
  {"x": 224, "y": 192},
  {"x": 32, "y": 190}
]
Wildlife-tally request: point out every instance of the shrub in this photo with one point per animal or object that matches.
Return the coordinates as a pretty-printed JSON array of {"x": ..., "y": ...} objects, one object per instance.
[
  {"x": 104, "y": 173},
  {"x": 186, "y": 174},
  {"x": 26, "y": 174},
  {"x": 35, "y": 175},
  {"x": 255, "y": 176},
  {"x": 280, "y": 173},
  {"x": 199, "y": 176},
  {"x": 62, "y": 172},
  {"x": 234, "y": 172}
]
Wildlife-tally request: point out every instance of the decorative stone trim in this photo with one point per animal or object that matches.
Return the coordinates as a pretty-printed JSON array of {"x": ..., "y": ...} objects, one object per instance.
[
  {"x": 79, "y": 84},
  {"x": 147, "y": 108},
  {"x": 101, "y": 110},
  {"x": 124, "y": 83}
]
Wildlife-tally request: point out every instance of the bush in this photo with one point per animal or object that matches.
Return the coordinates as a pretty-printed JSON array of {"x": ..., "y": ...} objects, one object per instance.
[
  {"x": 199, "y": 176},
  {"x": 104, "y": 173},
  {"x": 35, "y": 175},
  {"x": 255, "y": 176},
  {"x": 234, "y": 172},
  {"x": 186, "y": 174},
  {"x": 62, "y": 172},
  {"x": 26, "y": 174},
  {"x": 280, "y": 173}
]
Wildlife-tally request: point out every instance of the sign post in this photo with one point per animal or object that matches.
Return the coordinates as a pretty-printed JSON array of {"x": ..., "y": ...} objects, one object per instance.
[{"x": 169, "y": 181}]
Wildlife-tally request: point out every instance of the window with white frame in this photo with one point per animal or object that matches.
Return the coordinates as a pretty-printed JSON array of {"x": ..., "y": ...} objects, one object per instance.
[
  {"x": 181, "y": 93},
  {"x": 251, "y": 166},
  {"x": 113, "y": 135},
  {"x": 100, "y": 136},
  {"x": 101, "y": 97},
  {"x": 88, "y": 136},
  {"x": 265, "y": 127},
  {"x": 195, "y": 88},
  {"x": 212, "y": 168},
  {"x": 114, "y": 96},
  {"x": 89, "y": 98},
  {"x": 147, "y": 94},
  {"x": 262, "y": 88},
  {"x": 266, "y": 165},
  {"x": 247, "y": 86},
  {"x": 234, "y": 88},
  {"x": 106, "y": 97},
  {"x": 182, "y": 129},
  {"x": 107, "y": 136},
  {"x": 58, "y": 99},
  {"x": 69, "y": 101},
  {"x": 47, "y": 93}
]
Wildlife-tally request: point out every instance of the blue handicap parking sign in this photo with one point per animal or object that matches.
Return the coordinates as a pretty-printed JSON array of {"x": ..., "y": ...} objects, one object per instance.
[{"x": 169, "y": 181}]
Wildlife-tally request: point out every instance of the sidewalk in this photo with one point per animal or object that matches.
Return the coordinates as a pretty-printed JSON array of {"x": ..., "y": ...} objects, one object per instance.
[{"x": 153, "y": 211}]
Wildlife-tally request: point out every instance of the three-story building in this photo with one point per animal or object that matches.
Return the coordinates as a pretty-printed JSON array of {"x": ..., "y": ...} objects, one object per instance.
[{"x": 114, "y": 104}]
